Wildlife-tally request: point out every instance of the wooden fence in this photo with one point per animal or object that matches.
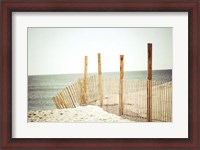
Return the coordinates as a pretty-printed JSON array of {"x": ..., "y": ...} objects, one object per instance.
[
  {"x": 140, "y": 100},
  {"x": 134, "y": 102},
  {"x": 68, "y": 97}
]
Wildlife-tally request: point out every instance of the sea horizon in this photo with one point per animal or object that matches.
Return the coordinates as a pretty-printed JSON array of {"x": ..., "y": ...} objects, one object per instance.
[{"x": 95, "y": 72}]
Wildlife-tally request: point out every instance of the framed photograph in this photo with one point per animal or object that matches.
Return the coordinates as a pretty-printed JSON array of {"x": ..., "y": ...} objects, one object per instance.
[{"x": 100, "y": 74}]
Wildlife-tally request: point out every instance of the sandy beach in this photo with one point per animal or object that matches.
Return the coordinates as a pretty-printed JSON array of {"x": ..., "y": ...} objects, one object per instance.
[{"x": 87, "y": 113}]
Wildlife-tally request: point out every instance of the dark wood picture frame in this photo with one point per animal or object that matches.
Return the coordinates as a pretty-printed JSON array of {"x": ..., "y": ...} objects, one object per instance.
[{"x": 9, "y": 6}]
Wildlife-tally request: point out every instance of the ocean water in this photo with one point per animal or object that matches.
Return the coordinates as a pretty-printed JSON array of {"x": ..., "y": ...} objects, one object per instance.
[{"x": 42, "y": 87}]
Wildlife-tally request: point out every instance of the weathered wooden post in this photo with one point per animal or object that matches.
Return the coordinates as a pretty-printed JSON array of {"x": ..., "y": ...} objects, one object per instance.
[
  {"x": 85, "y": 79},
  {"x": 100, "y": 80},
  {"x": 121, "y": 84},
  {"x": 149, "y": 84}
]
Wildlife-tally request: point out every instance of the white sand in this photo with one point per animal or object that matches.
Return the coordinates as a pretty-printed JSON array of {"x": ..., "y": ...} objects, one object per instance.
[{"x": 87, "y": 113}]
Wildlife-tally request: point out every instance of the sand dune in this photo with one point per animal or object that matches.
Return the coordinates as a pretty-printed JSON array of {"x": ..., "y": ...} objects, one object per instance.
[{"x": 87, "y": 113}]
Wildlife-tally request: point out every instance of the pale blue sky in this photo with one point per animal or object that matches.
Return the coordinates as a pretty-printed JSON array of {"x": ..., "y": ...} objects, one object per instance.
[{"x": 62, "y": 50}]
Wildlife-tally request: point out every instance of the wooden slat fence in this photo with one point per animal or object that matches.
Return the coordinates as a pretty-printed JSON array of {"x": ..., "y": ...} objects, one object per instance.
[
  {"x": 135, "y": 100},
  {"x": 69, "y": 97},
  {"x": 134, "y": 97}
]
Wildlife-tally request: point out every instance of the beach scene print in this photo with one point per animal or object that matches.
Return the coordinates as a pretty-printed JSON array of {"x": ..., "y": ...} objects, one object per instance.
[{"x": 103, "y": 75}]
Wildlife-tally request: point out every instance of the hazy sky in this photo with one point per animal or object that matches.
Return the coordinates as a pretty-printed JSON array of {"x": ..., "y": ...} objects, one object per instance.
[{"x": 62, "y": 50}]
